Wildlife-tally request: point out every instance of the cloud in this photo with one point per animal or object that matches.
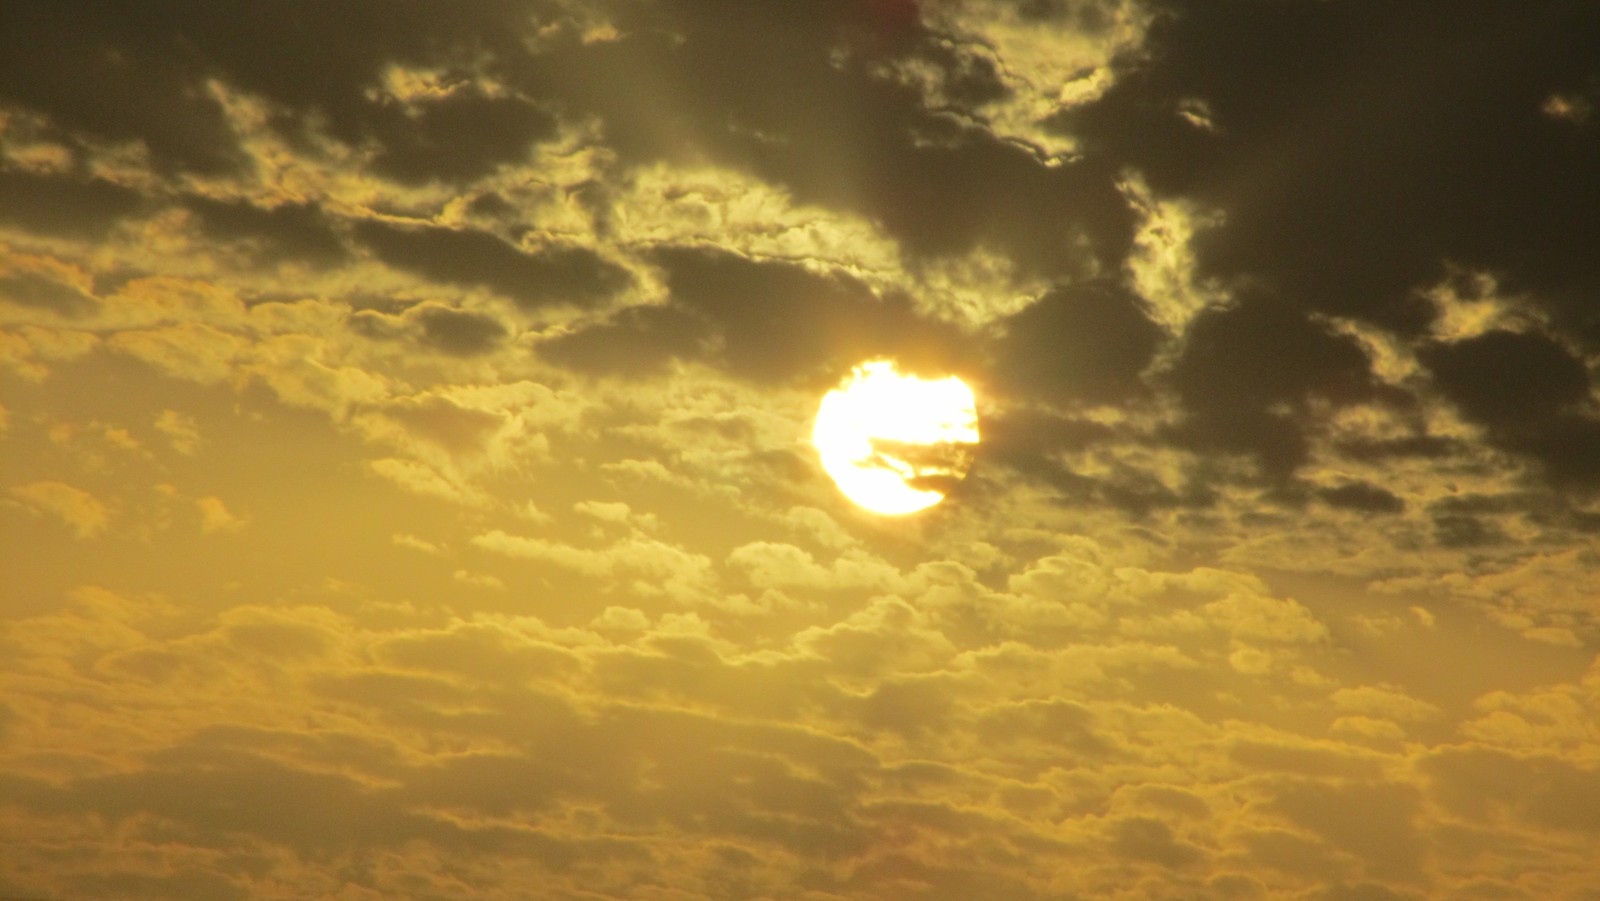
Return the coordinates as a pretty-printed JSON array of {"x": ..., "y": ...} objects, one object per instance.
[
  {"x": 64, "y": 206},
  {"x": 216, "y": 517},
  {"x": 805, "y": 323},
  {"x": 190, "y": 350},
  {"x": 1247, "y": 377},
  {"x": 458, "y": 332},
  {"x": 35, "y": 290},
  {"x": 547, "y": 275},
  {"x": 1086, "y": 343},
  {"x": 76, "y": 508},
  {"x": 1279, "y": 319},
  {"x": 419, "y": 478},
  {"x": 646, "y": 565},
  {"x": 1486, "y": 784},
  {"x": 290, "y": 231},
  {"x": 181, "y": 431}
]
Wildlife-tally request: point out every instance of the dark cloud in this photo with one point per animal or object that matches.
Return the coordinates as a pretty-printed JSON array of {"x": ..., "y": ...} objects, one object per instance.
[
  {"x": 115, "y": 74},
  {"x": 460, "y": 332},
  {"x": 550, "y": 275},
  {"x": 34, "y": 290},
  {"x": 60, "y": 205},
  {"x": 1363, "y": 497},
  {"x": 119, "y": 73},
  {"x": 458, "y": 137},
  {"x": 1360, "y": 145},
  {"x": 1570, "y": 451},
  {"x": 1421, "y": 446},
  {"x": 634, "y": 342},
  {"x": 1143, "y": 838},
  {"x": 764, "y": 320},
  {"x": 1478, "y": 782},
  {"x": 734, "y": 685},
  {"x": 1508, "y": 380},
  {"x": 1246, "y": 375},
  {"x": 1372, "y": 820},
  {"x": 796, "y": 95},
  {"x": 290, "y": 231},
  {"x": 1080, "y": 343},
  {"x": 1458, "y": 531},
  {"x": 1527, "y": 390},
  {"x": 780, "y": 320},
  {"x": 180, "y": 882},
  {"x": 1031, "y": 442}
]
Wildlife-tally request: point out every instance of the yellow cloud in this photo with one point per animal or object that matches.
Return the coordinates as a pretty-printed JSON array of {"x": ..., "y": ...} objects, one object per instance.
[{"x": 77, "y": 508}]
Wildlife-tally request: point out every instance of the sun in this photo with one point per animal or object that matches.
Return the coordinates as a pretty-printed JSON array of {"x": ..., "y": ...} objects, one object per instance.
[{"x": 892, "y": 441}]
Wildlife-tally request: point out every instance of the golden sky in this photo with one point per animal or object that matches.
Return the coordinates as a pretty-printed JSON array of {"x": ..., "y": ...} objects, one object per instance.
[{"x": 407, "y": 486}]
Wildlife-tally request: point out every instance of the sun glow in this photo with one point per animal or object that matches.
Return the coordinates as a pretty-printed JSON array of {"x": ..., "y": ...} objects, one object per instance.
[{"x": 891, "y": 441}]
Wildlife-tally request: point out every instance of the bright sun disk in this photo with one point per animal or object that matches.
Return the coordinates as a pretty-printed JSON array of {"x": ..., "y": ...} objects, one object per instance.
[{"x": 882, "y": 430}]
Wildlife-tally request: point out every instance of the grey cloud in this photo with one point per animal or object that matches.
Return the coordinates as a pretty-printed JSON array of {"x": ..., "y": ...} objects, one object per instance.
[
  {"x": 62, "y": 205},
  {"x": 1144, "y": 838},
  {"x": 558, "y": 274},
  {"x": 34, "y": 290},
  {"x": 1291, "y": 852},
  {"x": 182, "y": 882},
  {"x": 1508, "y": 380},
  {"x": 1457, "y": 531},
  {"x": 1334, "y": 118},
  {"x": 764, "y": 320},
  {"x": 481, "y": 653},
  {"x": 1028, "y": 440},
  {"x": 1246, "y": 375},
  {"x": 1375, "y": 821},
  {"x": 458, "y": 137},
  {"x": 1539, "y": 789},
  {"x": 1304, "y": 760},
  {"x": 290, "y": 231},
  {"x": 1363, "y": 497},
  {"x": 780, "y": 320},
  {"x": 1527, "y": 390},
  {"x": 1085, "y": 343},
  {"x": 1057, "y": 724},
  {"x": 114, "y": 72},
  {"x": 1419, "y": 446},
  {"x": 459, "y": 332},
  {"x": 768, "y": 90},
  {"x": 95, "y": 70},
  {"x": 634, "y": 342}
]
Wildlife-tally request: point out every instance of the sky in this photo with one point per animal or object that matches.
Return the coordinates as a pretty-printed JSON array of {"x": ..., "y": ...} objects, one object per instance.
[{"x": 407, "y": 487}]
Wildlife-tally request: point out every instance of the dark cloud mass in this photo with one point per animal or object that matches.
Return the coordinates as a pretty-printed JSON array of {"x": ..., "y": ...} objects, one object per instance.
[
  {"x": 466, "y": 257},
  {"x": 63, "y": 205},
  {"x": 407, "y": 480},
  {"x": 779, "y": 321},
  {"x": 291, "y": 231},
  {"x": 1086, "y": 343},
  {"x": 1247, "y": 374},
  {"x": 1331, "y": 118}
]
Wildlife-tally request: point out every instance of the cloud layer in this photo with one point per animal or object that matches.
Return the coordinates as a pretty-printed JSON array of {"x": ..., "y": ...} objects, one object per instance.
[{"x": 407, "y": 488}]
